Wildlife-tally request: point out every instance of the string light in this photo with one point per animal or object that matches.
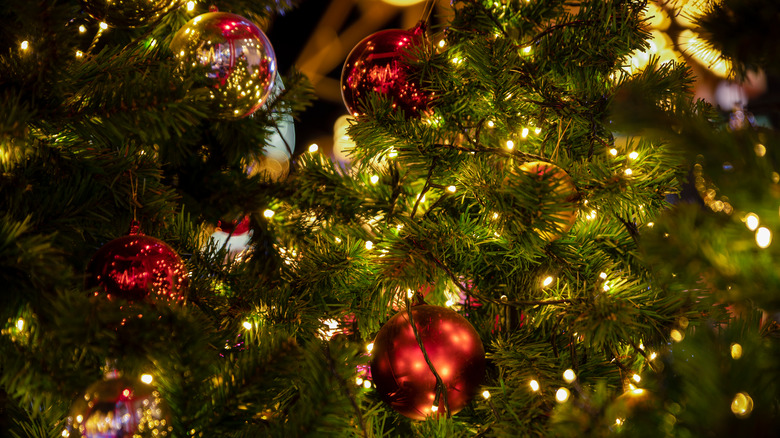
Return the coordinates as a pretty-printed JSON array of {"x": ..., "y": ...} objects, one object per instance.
[
  {"x": 486, "y": 394},
  {"x": 763, "y": 237},
  {"x": 760, "y": 150},
  {"x": 369, "y": 244},
  {"x": 603, "y": 275},
  {"x": 653, "y": 356},
  {"x": 633, "y": 155},
  {"x": 751, "y": 221},
  {"x": 359, "y": 381},
  {"x": 367, "y": 384},
  {"x": 434, "y": 408},
  {"x": 25, "y": 45},
  {"x": 736, "y": 351},
  {"x": 490, "y": 124},
  {"x": 650, "y": 224},
  {"x": 534, "y": 385},
  {"x": 547, "y": 281},
  {"x": 82, "y": 28},
  {"x": 370, "y": 347},
  {"x": 79, "y": 53},
  {"x": 103, "y": 25},
  {"x": 147, "y": 378},
  {"x": 524, "y": 132},
  {"x": 20, "y": 324},
  {"x": 527, "y": 49},
  {"x": 636, "y": 378},
  {"x": 629, "y": 172},
  {"x": 268, "y": 213},
  {"x": 562, "y": 395},
  {"x": 451, "y": 189},
  {"x": 619, "y": 421},
  {"x": 569, "y": 375},
  {"x": 613, "y": 152},
  {"x": 374, "y": 179},
  {"x": 676, "y": 335},
  {"x": 190, "y": 5},
  {"x": 314, "y": 147},
  {"x": 510, "y": 144},
  {"x": 442, "y": 43},
  {"x": 537, "y": 130},
  {"x": 742, "y": 405},
  {"x": 247, "y": 325}
]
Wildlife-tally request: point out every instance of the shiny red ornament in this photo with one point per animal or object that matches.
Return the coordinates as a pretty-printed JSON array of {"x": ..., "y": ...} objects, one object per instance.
[
  {"x": 403, "y": 378},
  {"x": 380, "y": 63},
  {"x": 138, "y": 267}
]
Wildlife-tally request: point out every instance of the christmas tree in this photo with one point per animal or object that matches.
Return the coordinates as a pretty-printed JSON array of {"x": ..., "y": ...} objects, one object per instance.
[{"x": 507, "y": 253}]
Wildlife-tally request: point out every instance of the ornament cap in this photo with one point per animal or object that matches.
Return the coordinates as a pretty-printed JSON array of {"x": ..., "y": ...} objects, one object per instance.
[
  {"x": 135, "y": 228},
  {"x": 213, "y": 8}
]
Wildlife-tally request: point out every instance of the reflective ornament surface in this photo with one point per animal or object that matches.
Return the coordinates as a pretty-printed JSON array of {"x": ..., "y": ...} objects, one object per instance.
[
  {"x": 138, "y": 267},
  {"x": 127, "y": 13},
  {"x": 232, "y": 57},
  {"x": 380, "y": 63},
  {"x": 117, "y": 408},
  {"x": 403, "y": 378},
  {"x": 560, "y": 190},
  {"x": 280, "y": 144}
]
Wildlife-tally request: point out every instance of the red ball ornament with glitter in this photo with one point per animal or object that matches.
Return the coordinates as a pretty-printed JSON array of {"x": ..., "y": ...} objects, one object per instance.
[
  {"x": 401, "y": 374},
  {"x": 137, "y": 267},
  {"x": 380, "y": 63}
]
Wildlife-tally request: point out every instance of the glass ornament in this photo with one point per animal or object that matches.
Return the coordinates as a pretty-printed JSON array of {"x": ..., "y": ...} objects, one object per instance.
[
  {"x": 138, "y": 267},
  {"x": 380, "y": 63},
  {"x": 116, "y": 407},
  {"x": 232, "y": 57},
  {"x": 127, "y": 13},
  {"x": 402, "y": 377}
]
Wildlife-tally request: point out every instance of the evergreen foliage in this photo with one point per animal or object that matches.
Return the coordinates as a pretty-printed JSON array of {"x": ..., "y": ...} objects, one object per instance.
[{"x": 432, "y": 204}]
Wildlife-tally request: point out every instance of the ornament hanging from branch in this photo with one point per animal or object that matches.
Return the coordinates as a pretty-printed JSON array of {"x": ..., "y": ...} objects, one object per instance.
[
  {"x": 382, "y": 63},
  {"x": 232, "y": 57},
  {"x": 137, "y": 267},
  {"x": 402, "y": 374}
]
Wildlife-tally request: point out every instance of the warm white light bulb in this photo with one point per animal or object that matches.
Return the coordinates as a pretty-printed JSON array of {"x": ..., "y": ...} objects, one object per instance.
[
  {"x": 146, "y": 378},
  {"x": 569, "y": 375},
  {"x": 190, "y": 5},
  {"x": 486, "y": 394},
  {"x": 510, "y": 144},
  {"x": 763, "y": 237},
  {"x": 751, "y": 221},
  {"x": 451, "y": 189},
  {"x": 313, "y": 148},
  {"x": 562, "y": 395},
  {"x": 25, "y": 45},
  {"x": 547, "y": 281},
  {"x": 369, "y": 244},
  {"x": 247, "y": 325},
  {"x": 268, "y": 213},
  {"x": 534, "y": 385},
  {"x": 633, "y": 155},
  {"x": 103, "y": 25},
  {"x": 374, "y": 179}
]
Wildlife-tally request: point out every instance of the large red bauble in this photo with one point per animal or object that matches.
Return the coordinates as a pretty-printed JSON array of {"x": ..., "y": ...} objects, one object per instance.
[
  {"x": 379, "y": 63},
  {"x": 138, "y": 267},
  {"x": 402, "y": 377}
]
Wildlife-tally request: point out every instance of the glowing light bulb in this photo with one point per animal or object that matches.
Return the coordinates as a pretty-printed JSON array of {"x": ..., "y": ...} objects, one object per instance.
[
  {"x": 268, "y": 213},
  {"x": 751, "y": 221},
  {"x": 613, "y": 152},
  {"x": 103, "y": 25},
  {"x": 569, "y": 375},
  {"x": 510, "y": 144},
  {"x": 633, "y": 155},
  {"x": 676, "y": 335},
  {"x": 629, "y": 172},
  {"x": 369, "y": 244},
  {"x": 763, "y": 237},
  {"x": 524, "y": 132},
  {"x": 190, "y": 5},
  {"x": 367, "y": 384},
  {"x": 650, "y": 224},
  {"x": 527, "y": 49},
  {"x": 742, "y": 405},
  {"x": 359, "y": 381},
  {"x": 82, "y": 28},
  {"x": 370, "y": 347},
  {"x": 619, "y": 421},
  {"x": 25, "y": 45},
  {"x": 760, "y": 150},
  {"x": 653, "y": 356},
  {"x": 547, "y": 281},
  {"x": 247, "y": 325},
  {"x": 313, "y": 148},
  {"x": 537, "y": 130},
  {"x": 451, "y": 189},
  {"x": 636, "y": 378},
  {"x": 146, "y": 378},
  {"x": 490, "y": 124},
  {"x": 534, "y": 385},
  {"x": 434, "y": 408},
  {"x": 374, "y": 179},
  {"x": 736, "y": 351},
  {"x": 442, "y": 43},
  {"x": 486, "y": 394},
  {"x": 562, "y": 395},
  {"x": 20, "y": 324},
  {"x": 79, "y": 53},
  {"x": 603, "y": 275}
]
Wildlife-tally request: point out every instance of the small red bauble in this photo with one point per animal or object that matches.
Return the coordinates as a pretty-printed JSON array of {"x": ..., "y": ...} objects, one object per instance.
[
  {"x": 403, "y": 378},
  {"x": 379, "y": 63},
  {"x": 138, "y": 267}
]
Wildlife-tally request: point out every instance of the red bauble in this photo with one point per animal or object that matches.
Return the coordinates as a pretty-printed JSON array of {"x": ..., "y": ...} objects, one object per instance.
[
  {"x": 403, "y": 378},
  {"x": 138, "y": 267},
  {"x": 379, "y": 63}
]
